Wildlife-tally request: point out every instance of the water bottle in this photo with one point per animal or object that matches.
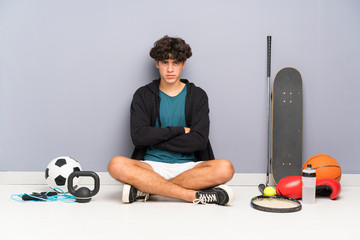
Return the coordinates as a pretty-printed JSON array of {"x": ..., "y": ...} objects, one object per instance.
[{"x": 309, "y": 185}]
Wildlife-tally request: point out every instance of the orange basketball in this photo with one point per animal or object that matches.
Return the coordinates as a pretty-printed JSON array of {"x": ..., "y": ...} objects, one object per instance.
[{"x": 325, "y": 166}]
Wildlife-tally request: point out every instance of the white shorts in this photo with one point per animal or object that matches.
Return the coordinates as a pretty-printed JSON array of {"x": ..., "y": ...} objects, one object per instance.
[{"x": 170, "y": 170}]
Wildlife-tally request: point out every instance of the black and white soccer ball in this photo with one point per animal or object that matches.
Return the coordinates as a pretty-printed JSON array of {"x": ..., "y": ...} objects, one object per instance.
[{"x": 58, "y": 171}]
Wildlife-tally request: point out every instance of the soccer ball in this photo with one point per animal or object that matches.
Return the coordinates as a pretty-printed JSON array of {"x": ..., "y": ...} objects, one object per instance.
[{"x": 58, "y": 171}]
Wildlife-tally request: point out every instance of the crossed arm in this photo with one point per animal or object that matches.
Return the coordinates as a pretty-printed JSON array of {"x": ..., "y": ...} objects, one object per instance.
[{"x": 178, "y": 139}]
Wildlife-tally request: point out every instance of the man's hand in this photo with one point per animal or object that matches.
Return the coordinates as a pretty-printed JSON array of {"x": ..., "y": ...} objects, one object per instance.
[{"x": 187, "y": 130}]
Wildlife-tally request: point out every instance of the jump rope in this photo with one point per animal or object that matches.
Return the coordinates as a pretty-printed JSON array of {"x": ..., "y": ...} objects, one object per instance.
[{"x": 54, "y": 194}]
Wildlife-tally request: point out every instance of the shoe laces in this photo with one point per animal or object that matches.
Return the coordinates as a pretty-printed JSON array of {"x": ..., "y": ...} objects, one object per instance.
[
  {"x": 142, "y": 196},
  {"x": 205, "y": 198}
]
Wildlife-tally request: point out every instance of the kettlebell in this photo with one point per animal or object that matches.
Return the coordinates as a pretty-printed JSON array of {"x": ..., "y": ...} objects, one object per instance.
[{"x": 83, "y": 194}]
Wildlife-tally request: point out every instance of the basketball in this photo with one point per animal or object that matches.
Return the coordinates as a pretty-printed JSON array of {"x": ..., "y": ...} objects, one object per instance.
[{"x": 325, "y": 166}]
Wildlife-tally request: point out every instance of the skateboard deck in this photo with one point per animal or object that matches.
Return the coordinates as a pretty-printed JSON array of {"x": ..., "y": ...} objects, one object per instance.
[{"x": 287, "y": 121}]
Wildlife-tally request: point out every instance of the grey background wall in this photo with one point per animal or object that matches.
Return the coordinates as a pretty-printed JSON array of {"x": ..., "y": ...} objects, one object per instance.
[{"x": 68, "y": 70}]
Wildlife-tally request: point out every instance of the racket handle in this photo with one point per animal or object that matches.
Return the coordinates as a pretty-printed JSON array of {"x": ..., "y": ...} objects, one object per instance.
[{"x": 268, "y": 55}]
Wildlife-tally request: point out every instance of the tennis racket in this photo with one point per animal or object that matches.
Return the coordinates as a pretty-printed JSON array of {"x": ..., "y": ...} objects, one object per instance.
[
  {"x": 277, "y": 204},
  {"x": 268, "y": 160}
]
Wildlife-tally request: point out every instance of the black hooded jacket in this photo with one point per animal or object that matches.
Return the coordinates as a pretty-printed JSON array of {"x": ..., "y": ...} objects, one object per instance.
[{"x": 145, "y": 110}]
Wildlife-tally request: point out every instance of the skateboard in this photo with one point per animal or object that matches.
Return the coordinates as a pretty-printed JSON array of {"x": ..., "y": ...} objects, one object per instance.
[{"x": 287, "y": 121}]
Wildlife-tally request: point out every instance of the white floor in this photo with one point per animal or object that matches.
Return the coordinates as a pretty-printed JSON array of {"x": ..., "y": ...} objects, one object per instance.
[{"x": 106, "y": 217}]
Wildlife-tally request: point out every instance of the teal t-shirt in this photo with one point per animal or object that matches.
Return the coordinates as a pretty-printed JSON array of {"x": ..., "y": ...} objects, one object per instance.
[{"x": 172, "y": 114}]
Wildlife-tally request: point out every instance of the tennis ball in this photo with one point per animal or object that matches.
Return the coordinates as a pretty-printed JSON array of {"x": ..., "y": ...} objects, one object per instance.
[{"x": 269, "y": 191}]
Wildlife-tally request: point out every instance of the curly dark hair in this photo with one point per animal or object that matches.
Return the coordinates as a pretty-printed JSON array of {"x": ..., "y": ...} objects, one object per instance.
[{"x": 171, "y": 48}]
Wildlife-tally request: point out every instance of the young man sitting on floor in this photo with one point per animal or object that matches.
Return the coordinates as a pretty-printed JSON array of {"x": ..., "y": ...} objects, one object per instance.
[{"x": 170, "y": 129}]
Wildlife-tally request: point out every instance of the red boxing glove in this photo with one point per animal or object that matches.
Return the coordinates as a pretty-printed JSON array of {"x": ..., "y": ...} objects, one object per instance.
[
  {"x": 328, "y": 186},
  {"x": 291, "y": 186}
]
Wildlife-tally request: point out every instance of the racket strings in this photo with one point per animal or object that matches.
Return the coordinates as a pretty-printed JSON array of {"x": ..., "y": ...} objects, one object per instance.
[{"x": 275, "y": 203}]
